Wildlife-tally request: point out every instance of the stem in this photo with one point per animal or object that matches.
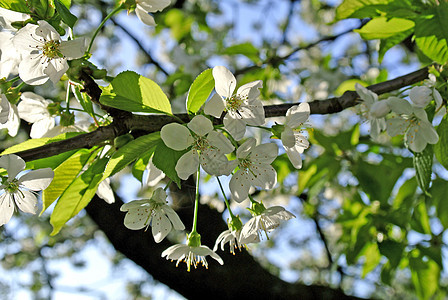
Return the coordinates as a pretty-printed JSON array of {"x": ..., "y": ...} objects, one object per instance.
[
  {"x": 67, "y": 94},
  {"x": 116, "y": 10},
  {"x": 225, "y": 198},
  {"x": 196, "y": 200},
  {"x": 167, "y": 185}
]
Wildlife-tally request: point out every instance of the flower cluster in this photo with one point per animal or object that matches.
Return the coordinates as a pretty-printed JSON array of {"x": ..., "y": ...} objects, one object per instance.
[{"x": 398, "y": 116}]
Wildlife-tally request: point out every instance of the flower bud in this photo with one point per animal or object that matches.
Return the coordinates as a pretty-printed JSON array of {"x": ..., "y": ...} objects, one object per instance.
[
  {"x": 420, "y": 96},
  {"x": 379, "y": 109}
]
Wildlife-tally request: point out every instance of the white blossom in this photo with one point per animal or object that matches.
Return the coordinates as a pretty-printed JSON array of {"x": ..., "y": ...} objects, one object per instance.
[
  {"x": 8, "y": 16},
  {"x": 413, "y": 123},
  {"x": 206, "y": 146},
  {"x": 370, "y": 100},
  {"x": 9, "y": 58},
  {"x": 242, "y": 108},
  {"x": 154, "y": 174},
  {"x": 266, "y": 221},
  {"x": 145, "y": 7},
  {"x": 9, "y": 116},
  {"x": 20, "y": 192},
  {"x": 294, "y": 142},
  {"x": 191, "y": 255},
  {"x": 34, "y": 109},
  {"x": 255, "y": 168},
  {"x": 154, "y": 212},
  {"x": 44, "y": 54},
  {"x": 105, "y": 191}
]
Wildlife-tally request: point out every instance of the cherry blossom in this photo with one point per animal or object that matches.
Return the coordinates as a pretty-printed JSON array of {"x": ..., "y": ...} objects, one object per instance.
[
  {"x": 242, "y": 108},
  {"x": 206, "y": 146},
  {"x": 9, "y": 116},
  {"x": 191, "y": 255},
  {"x": 154, "y": 212},
  {"x": 34, "y": 109},
  {"x": 145, "y": 7},
  {"x": 255, "y": 168},
  {"x": 44, "y": 54},
  {"x": 370, "y": 102},
  {"x": 20, "y": 192}
]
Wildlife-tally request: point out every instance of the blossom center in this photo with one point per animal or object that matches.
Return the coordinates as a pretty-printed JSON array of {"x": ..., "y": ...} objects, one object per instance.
[
  {"x": 51, "y": 49},
  {"x": 201, "y": 143},
  {"x": 234, "y": 102},
  {"x": 12, "y": 186}
]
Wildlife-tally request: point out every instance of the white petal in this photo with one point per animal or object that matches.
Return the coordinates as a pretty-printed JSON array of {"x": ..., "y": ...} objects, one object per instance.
[
  {"x": 214, "y": 162},
  {"x": 366, "y": 95},
  {"x": 236, "y": 127},
  {"x": 6, "y": 208},
  {"x": 239, "y": 185},
  {"x": 33, "y": 107},
  {"x": 154, "y": 5},
  {"x": 13, "y": 164},
  {"x": 154, "y": 174},
  {"x": 264, "y": 153},
  {"x": 288, "y": 137},
  {"x": 4, "y": 112},
  {"x": 429, "y": 133},
  {"x": 144, "y": 16},
  {"x": 105, "y": 191},
  {"x": 47, "y": 31},
  {"x": 246, "y": 148},
  {"x": 74, "y": 48},
  {"x": 188, "y": 164},
  {"x": 215, "y": 106},
  {"x": 294, "y": 157},
  {"x": 174, "y": 218},
  {"x": 200, "y": 125},
  {"x": 176, "y": 136},
  {"x": 56, "y": 68},
  {"x": 396, "y": 126},
  {"x": 252, "y": 113},
  {"x": 26, "y": 201},
  {"x": 217, "y": 139},
  {"x": 225, "y": 82},
  {"x": 297, "y": 115},
  {"x": 32, "y": 69},
  {"x": 399, "y": 105},
  {"x": 161, "y": 226},
  {"x": 136, "y": 218},
  {"x": 41, "y": 127},
  {"x": 420, "y": 96},
  {"x": 265, "y": 176},
  {"x": 250, "y": 90},
  {"x": 37, "y": 180},
  {"x": 134, "y": 204},
  {"x": 13, "y": 123},
  {"x": 25, "y": 40}
]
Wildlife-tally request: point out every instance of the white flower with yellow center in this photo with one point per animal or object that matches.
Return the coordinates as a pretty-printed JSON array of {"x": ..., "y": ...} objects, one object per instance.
[
  {"x": 9, "y": 116},
  {"x": 154, "y": 212},
  {"x": 265, "y": 221},
  {"x": 44, "y": 54},
  {"x": 293, "y": 140},
  {"x": 255, "y": 168},
  {"x": 206, "y": 146},
  {"x": 20, "y": 192},
  {"x": 34, "y": 109},
  {"x": 145, "y": 7},
  {"x": 242, "y": 108},
  {"x": 375, "y": 110},
  {"x": 413, "y": 123}
]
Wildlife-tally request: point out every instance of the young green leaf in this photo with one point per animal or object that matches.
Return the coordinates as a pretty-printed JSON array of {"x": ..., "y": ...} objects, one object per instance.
[
  {"x": 165, "y": 159},
  {"x": 246, "y": 49},
  {"x": 65, "y": 14},
  {"x": 64, "y": 175},
  {"x": 423, "y": 167},
  {"x": 199, "y": 91},
  {"x": 15, "y": 5},
  {"x": 381, "y": 28},
  {"x": 441, "y": 148},
  {"x": 132, "y": 92},
  {"x": 130, "y": 152},
  {"x": 77, "y": 195}
]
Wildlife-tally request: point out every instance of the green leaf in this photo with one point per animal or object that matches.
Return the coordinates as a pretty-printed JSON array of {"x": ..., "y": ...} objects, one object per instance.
[
  {"x": 431, "y": 35},
  {"x": 441, "y": 148},
  {"x": 423, "y": 167},
  {"x": 85, "y": 102},
  {"x": 77, "y": 195},
  {"x": 165, "y": 159},
  {"x": 132, "y": 92},
  {"x": 388, "y": 43},
  {"x": 199, "y": 91},
  {"x": 65, "y": 14},
  {"x": 64, "y": 175},
  {"x": 139, "y": 166},
  {"x": 405, "y": 194},
  {"x": 34, "y": 143},
  {"x": 246, "y": 49},
  {"x": 393, "y": 251},
  {"x": 439, "y": 190},
  {"x": 420, "y": 219},
  {"x": 348, "y": 85},
  {"x": 382, "y": 27},
  {"x": 49, "y": 162},
  {"x": 15, "y": 5},
  {"x": 359, "y": 8},
  {"x": 372, "y": 258},
  {"x": 130, "y": 152},
  {"x": 425, "y": 277}
]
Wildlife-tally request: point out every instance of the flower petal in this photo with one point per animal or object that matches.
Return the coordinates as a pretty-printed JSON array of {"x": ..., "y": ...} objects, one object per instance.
[
  {"x": 41, "y": 127},
  {"x": 137, "y": 218},
  {"x": 32, "y": 69},
  {"x": 187, "y": 164},
  {"x": 225, "y": 82},
  {"x": 144, "y": 16},
  {"x": 264, "y": 153},
  {"x": 250, "y": 90},
  {"x": 6, "y": 208},
  {"x": 105, "y": 192},
  {"x": 176, "y": 136},
  {"x": 13, "y": 164},
  {"x": 294, "y": 157},
  {"x": 73, "y": 49},
  {"x": 245, "y": 149},
  {"x": 200, "y": 125},
  {"x": 161, "y": 226},
  {"x": 217, "y": 139},
  {"x": 297, "y": 115},
  {"x": 239, "y": 185},
  {"x": 37, "y": 180},
  {"x": 288, "y": 137},
  {"x": 26, "y": 201},
  {"x": 215, "y": 106},
  {"x": 174, "y": 218},
  {"x": 236, "y": 127}
]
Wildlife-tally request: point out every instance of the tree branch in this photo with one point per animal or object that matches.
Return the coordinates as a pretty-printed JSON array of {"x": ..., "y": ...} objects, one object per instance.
[{"x": 126, "y": 122}]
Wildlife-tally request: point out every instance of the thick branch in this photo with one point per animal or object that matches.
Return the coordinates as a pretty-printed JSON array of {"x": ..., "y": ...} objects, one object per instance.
[{"x": 126, "y": 122}]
